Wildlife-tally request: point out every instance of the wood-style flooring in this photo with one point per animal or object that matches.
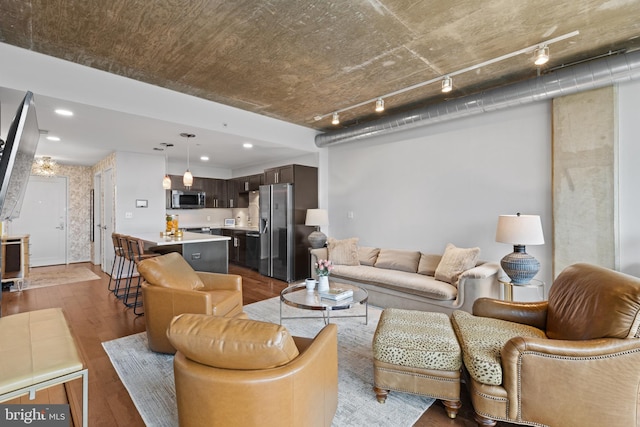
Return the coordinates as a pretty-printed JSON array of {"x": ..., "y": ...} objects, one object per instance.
[{"x": 95, "y": 316}]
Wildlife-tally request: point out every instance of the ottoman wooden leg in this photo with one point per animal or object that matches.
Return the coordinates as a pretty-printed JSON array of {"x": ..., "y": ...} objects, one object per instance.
[
  {"x": 452, "y": 406},
  {"x": 381, "y": 394}
]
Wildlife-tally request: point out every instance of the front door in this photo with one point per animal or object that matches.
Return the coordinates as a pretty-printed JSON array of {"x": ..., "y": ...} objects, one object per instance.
[{"x": 44, "y": 217}]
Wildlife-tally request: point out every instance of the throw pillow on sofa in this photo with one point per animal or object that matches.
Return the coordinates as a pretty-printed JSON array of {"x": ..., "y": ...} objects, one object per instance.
[
  {"x": 396, "y": 259},
  {"x": 343, "y": 252},
  {"x": 368, "y": 255},
  {"x": 454, "y": 262}
]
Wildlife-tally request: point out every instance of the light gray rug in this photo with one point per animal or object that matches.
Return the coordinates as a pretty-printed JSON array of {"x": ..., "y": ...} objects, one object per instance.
[{"x": 148, "y": 376}]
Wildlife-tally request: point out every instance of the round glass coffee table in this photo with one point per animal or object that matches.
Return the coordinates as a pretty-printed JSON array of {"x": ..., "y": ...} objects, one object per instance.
[{"x": 298, "y": 296}]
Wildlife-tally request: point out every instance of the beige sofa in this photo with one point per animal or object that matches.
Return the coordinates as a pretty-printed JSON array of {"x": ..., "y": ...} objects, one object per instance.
[{"x": 411, "y": 279}]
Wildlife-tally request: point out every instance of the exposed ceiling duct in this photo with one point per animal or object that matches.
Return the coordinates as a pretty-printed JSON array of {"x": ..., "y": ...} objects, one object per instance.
[{"x": 565, "y": 81}]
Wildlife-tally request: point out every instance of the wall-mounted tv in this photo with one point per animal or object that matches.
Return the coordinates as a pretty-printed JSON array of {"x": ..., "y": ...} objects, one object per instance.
[{"x": 17, "y": 157}]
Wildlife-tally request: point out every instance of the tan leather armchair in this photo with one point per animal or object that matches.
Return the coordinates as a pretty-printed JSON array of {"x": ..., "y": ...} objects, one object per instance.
[
  {"x": 241, "y": 372},
  {"x": 172, "y": 287},
  {"x": 571, "y": 361}
]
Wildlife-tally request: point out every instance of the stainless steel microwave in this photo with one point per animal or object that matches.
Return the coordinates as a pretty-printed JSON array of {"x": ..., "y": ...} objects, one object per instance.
[{"x": 187, "y": 199}]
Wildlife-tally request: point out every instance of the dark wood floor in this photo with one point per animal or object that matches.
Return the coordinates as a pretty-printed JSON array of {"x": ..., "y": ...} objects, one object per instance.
[{"x": 96, "y": 316}]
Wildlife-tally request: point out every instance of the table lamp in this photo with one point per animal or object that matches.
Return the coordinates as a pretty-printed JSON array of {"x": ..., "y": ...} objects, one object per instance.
[
  {"x": 317, "y": 218},
  {"x": 520, "y": 230}
]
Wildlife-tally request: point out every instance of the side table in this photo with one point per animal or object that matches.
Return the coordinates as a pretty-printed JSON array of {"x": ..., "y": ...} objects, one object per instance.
[{"x": 508, "y": 286}]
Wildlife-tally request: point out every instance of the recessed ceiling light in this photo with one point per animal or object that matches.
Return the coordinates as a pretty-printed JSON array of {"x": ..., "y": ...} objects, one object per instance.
[
  {"x": 53, "y": 138},
  {"x": 204, "y": 158},
  {"x": 247, "y": 145},
  {"x": 63, "y": 112}
]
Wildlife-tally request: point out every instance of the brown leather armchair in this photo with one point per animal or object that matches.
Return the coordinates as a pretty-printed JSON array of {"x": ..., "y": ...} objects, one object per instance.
[
  {"x": 241, "y": 372},
  {"x": 172, "y": 287},
  {"x": 571, "y": 361}
]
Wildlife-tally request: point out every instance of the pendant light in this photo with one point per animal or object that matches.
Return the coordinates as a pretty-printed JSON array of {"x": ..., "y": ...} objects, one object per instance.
[
  {"x": 166, "y": 181},
  {"x": 187, "y": 178}
]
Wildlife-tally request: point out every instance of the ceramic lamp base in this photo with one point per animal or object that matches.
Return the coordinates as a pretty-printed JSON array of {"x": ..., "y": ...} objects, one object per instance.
[
  {"x": 520, "y": 266},
  {"x": 317, "y": 239}
]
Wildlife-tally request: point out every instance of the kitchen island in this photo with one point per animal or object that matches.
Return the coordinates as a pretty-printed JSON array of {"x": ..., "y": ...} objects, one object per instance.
[{"x": 204, "y": 252}]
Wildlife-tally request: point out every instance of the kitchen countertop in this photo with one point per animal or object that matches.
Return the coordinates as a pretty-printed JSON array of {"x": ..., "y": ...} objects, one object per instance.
[
  {"x": 222, "y": 227},
  {"x": 187, "y": 237}
]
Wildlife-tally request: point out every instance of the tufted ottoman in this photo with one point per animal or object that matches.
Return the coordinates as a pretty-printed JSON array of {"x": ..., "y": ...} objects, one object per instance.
[{"x": 417, "y": 352}]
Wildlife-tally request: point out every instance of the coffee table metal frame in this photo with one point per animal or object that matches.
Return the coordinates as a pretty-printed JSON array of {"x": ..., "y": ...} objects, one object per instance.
[{"x": 298, "y": 296}]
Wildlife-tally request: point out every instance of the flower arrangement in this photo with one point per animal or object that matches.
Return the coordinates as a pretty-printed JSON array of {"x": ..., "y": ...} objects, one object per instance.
[{"x": 323, "y": 267}]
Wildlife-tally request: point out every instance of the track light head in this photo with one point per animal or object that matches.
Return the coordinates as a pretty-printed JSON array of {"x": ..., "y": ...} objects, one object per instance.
[
  {"x": 447, "y": 84},
  {"x": 541, "y": 55},
  {"x": 336, "y": 119},
  {"x": 380, "y": 105}
]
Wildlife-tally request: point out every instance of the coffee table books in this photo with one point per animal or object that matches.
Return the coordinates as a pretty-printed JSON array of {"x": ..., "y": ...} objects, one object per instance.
[{"x": 336, "y": 294}]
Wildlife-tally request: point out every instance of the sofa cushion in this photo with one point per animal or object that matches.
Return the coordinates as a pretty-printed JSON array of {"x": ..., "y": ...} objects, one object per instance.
[
  {"x": 368, "y": 255},
  {"x": 170, "y": 271},
  {"x": 402, "y": 281},
  {"x": 343, "y": 252},
  {"x": 231, "y": 343},
  {"x": 454, "y": 262},
  {"x": 482, "y": 340},
  {"x": 428, "y": 264},
  {"x": 396, "y": 259}
]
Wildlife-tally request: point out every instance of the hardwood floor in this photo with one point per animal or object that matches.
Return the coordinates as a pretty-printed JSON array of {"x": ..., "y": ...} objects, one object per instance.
[{"x": 95, "y": 316}]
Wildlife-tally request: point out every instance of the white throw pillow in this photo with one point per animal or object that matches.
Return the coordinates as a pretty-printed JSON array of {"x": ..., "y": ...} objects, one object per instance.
[
  {"x": 454, "y": 262},
  {"x": 343, "y": 252}
]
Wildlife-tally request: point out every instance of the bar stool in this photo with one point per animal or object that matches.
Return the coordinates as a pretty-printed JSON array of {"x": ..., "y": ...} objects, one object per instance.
[
  {"x": 126, "y": 270},
  {"x": 136, "y": 247},
  {"x": 118, "y": 258}
]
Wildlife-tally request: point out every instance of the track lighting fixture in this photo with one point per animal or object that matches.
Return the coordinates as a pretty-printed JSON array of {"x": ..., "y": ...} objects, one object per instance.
[
  {"x": 541, "y": 55},
  {"x": 187, "y": 178},
  {"x": 447, "y": 84}
]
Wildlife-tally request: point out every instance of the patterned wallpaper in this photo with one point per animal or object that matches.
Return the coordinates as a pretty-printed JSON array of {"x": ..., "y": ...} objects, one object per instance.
[{"x": 79, "y": 184}]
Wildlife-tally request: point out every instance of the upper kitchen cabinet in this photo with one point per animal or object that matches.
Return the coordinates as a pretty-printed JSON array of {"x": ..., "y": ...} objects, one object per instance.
[
  {"x": 216, "y": 192},
  {"x": 232, "y": 193},
  {"x": 176, "y": 183},
  {"x": 280, "y": 175},
  {"x": 290, "y": 174},
  {"x": 249, "y": 183}
]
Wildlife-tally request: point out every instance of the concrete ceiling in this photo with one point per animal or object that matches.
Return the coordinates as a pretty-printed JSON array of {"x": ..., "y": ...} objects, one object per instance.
[{"x": 295, "y": 60}]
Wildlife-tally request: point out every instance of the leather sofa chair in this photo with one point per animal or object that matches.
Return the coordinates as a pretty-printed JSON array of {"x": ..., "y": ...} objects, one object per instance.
[
  {"x": 240, "y": 372},
  {"x": 172, "y": 287},
  {"x": 571, "y": 361}
]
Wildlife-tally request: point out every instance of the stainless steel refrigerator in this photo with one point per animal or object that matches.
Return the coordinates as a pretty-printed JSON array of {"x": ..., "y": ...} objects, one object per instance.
[{"x": 277, "y": 231}]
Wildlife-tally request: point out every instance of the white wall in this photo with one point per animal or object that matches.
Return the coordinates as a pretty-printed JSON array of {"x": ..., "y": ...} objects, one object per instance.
[
  {"x": 423, "y": 188},
  {"x": 139, "y": 176}
]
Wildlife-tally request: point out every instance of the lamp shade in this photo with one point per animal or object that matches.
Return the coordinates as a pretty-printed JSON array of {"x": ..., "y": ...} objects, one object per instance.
[
  {"x": 520, "y": 230},
  {"x": 317, "y": 217}
]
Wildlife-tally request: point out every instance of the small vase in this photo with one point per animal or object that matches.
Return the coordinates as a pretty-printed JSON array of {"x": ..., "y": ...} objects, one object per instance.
[{"x": 323, "y": 283}]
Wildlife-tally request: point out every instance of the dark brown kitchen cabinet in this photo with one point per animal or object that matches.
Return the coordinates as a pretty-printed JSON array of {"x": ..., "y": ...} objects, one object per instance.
[
  {"x": 176, "y": 183},
  {"x": 237, "y": 246},
  {"x": 280, "y": 175},
  {"x": 293, "y": 174},
  {"x": 232, "y": 193},
  {"x": 249, "y": 183},
  {"x": 216, "y": 192}
]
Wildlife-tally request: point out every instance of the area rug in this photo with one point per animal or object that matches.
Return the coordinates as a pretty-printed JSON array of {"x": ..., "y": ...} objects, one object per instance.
[
  {"x": 148, "y": 376},
  {"x": 53, "y": 277}
]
